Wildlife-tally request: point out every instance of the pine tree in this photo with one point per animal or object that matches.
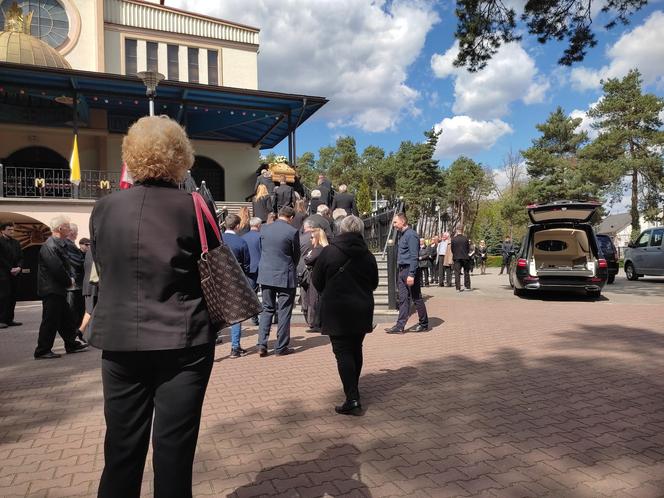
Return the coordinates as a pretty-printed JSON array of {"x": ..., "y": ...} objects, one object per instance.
[
  {"x": 364, "y": 198},
  {"x": 629, "y": 143},
  {"x": 553, "y": 162}
]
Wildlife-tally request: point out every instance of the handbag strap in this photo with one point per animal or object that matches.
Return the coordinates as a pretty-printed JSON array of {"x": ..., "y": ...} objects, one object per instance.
[{"x": 201, "y": 209}]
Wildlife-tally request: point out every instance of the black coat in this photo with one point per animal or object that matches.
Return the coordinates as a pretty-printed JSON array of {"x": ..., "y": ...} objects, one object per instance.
[
  {"x": 10, "y": 257},
  {"x": 460, "y": 247},
  {"x": 284, "y": 195},
  {"x": 146, "y": 246},
  {"x": 54, "y": 274},
  {"x": 89, "y": 288},
  {"x": 313, "y": 205},
  {"x": 262, "y": 207},
  {"x": 345, "y": 201},
  {"x": 424, "y": 257},
  {"x": 346, "y": 301}
]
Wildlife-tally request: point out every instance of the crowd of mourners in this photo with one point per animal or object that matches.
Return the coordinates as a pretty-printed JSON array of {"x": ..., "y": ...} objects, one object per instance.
[{"x": 134, "y": 290}]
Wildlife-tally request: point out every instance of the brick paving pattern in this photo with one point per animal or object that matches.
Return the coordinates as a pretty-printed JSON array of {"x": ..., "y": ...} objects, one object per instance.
[{"x": 504, "y": 397}]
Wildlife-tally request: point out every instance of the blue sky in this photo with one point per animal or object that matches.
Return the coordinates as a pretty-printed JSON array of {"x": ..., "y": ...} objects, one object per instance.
[{"x": 386, "y": 68}]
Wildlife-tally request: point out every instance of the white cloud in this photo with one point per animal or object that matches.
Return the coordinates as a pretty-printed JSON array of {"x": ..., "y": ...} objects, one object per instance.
[
  {"x": 354, "y": 52},
  {"x": 510, "y": 75},
  {"x": 586, "y": 121},
  {"x": 641, "y": 48},
  {"x": 464, "y": 135}
]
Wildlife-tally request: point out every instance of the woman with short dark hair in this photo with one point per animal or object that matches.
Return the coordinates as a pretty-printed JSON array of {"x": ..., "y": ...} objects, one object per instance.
[{"x": 345, "y": 275}]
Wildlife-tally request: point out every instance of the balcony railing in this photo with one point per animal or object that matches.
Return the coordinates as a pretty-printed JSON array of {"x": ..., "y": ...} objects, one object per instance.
[{"x": 53, "y": 183}]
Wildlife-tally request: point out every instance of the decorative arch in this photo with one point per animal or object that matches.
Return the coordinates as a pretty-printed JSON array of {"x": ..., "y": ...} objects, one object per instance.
[
  {"x": 36, "y": 156},
  {"x": 214, "y": 175}
]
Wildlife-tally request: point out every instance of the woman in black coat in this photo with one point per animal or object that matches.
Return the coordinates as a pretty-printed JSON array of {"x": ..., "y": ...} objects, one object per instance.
[
  {"x": 345, "y": 275},
  {"x": 263, "y": 203},
  {"x": 151, "y": 320}
]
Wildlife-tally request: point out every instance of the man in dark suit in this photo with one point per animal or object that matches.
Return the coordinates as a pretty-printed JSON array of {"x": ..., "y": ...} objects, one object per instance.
[
  {"x": 240, "y": 249},
  {"x": 280, "y": 253},
  {"x": 54, "y": 278},
  {"x": 461, "y": 256},
  {"x": 325, "y": 188},
  {"x": 506, "y": 251},
  {"x": 253, "y": 239},
  {"x": 344, "y": 200},
  {"x": 284, "y": 195},
  {"x": 11, "y": 260},
  {"x": 265, "y": 178}
]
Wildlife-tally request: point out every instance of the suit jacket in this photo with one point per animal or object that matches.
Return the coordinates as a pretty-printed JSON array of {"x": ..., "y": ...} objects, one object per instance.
[
  {"x": 325, "y": 194},
  {"x": 146, "y": 246},
  {"x": 313, "y": 205},
  {"x": 10, "y": 257},
  {"x": 280, "y": 253},
  {"x": 345, "y": 201},
  {"x": 460, "y": 247},
  {"x": 284, "y": 195},
  {"x": 261, "y": 180},
  {"x": 54, "y": 273},
  {"x": 320, "y": 221},
  {"x": 240, "y": 249},
  {"x": 253, "y": 240}
]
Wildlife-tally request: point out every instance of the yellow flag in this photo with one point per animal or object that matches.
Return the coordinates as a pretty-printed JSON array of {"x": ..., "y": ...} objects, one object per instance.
[{"x": 74, "y": 164}]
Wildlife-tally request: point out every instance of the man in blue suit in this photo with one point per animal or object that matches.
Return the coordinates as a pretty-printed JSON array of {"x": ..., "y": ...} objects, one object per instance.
[
  {"x": 241, "y": 251},
  {"x": 280, "y": 252},
  {"x": 253, "y": 239}
]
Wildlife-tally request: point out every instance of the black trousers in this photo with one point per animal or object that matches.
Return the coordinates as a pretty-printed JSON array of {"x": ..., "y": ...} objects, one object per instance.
[
  {"x": 444, "y": 274},
  {"x": 280, "y": 301},
  {"x": 505, "y": 264},
  {"x": 8, "y": 301},
  {"x": 406, "y": 294},
  {"x": 56, "y": 318},
  {"x": 434, "y": 271},
  {"x": 348, "y": 352},
  {"x": 458, "y": 265},
  {"x": 158, "y": 390}
]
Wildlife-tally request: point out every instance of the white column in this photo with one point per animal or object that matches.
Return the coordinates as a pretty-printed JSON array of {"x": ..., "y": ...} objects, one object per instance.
[
  {"x": 162, "y": 59},
  {"x": 182, "y": 61},
  {"x": 202, "y": 66},
  {"x": 141, "y": 56}
]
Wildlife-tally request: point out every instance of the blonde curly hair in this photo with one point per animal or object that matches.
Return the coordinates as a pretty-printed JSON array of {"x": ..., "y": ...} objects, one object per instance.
[{"x": 156, "y": 147}]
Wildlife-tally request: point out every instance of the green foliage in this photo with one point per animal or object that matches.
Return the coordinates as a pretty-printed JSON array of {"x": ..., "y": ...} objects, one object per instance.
[
  {"x": 364, "y": 198},
  {"x": 554, "y": 165},
  {"x": 628, "y": 147},
  {"x": 484, "y": 25},
  {"x": 306, "y": 168},
  {"x": 466, "y": 183}
]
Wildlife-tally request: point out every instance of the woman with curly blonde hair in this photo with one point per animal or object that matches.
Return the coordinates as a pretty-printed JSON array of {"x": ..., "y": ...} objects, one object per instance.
[
  {"x": 151, "y": 320},
  {"x": 245, "y": 216},
  {"x": 263, "y": 204}
]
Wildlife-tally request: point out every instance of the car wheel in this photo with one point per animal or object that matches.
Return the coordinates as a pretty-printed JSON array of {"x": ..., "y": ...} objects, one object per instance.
[
  {"x": 519, "y": 292},
  {"x": 611, "y": 279},
  {"x": 630, "y": 273}
]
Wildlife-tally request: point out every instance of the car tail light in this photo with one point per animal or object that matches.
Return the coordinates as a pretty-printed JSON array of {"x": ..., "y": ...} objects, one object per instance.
[
  {"x": 602, "y": 263},
  {"x": 522, "y": 263}
]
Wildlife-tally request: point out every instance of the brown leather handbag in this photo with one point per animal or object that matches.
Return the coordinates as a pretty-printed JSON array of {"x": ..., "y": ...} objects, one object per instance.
[{"x": 228, "y": 295}]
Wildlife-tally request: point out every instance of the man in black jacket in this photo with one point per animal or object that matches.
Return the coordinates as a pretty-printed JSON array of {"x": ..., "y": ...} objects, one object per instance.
[
  {"x": 461, "y": 256},
  {"x": 344, "y": 200},
  {"x": 506, "y": 251},
  {"x": 284, "y": 195},
  {"x": 11, "y": 261},
  {"x": 54, "y": 278},
  {"x": 325, "y": 188}
]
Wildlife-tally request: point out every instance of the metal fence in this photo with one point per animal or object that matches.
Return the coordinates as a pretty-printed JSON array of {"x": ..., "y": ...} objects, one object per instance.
[
  {"x": 54, "y": 183},
  {"x": 378, "y": 227}
]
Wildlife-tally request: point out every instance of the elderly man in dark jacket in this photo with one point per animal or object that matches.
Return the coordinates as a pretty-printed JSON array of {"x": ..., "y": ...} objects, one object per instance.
[
  {"x": 461, "y": 256},
  {"x": 11, "y": 261},
  {"x": 280, "y": 253},
  {"x": 346, "y": 274},
  {"x": 344, "y": 200},
  {"x": 284, "y": 195},
  {"x": 54, "y": 279}
]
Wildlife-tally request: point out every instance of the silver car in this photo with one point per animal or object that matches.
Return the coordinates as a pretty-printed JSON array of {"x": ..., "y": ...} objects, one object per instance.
[{"x": 645, "y": 256}]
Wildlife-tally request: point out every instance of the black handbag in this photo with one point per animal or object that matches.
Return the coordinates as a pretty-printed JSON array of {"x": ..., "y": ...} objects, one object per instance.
[{"x": 228, "y": 295}]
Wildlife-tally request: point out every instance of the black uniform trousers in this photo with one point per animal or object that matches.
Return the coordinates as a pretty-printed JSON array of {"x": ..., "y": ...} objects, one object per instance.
[
  {"x": 8, "y": 301},
  {"x": 348, "y": 352},
  {"x": 505, "y": 264},
  {"x": 158, "y": 390},
  {"x": 56, "y": 318},
  {"x": 458, "y": 265},
  {"x": 413, "y": 292}
]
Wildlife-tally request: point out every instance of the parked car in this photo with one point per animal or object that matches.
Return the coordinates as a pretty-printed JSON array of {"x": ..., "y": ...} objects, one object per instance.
[
  {"x": 559, "y": 251},
  {"x": 646, "y": 255},
  {"x": 610, "y": 255}
]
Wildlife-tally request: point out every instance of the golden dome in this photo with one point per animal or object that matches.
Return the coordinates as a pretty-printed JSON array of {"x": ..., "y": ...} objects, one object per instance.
[
  {"x": 22, "y": 48},
  {"x": 19, "y": 46}
]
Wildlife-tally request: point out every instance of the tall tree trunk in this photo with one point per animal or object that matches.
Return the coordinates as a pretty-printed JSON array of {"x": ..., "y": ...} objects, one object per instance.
[{"x": 634, "y": 208}]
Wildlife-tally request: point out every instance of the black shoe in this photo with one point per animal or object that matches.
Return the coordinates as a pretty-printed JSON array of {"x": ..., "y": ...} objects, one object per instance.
[
  {"x": 79, "y": 336},
  {"x": 420, "y": 328},
  {"x": 15, "y": 324},
  {"x": 3, "y": 326},
  {"x": 284, "y": 352},
  {"x": 78, "y": 347},
  {"x": 351, "y": 407},
  {"x": 47, "y": 356},
  {"x": 262, "y": 352},
  {"x": 394, "y": 330},
  {"x": 313, "y": 330},
  {"x": 237, "y": 353}
]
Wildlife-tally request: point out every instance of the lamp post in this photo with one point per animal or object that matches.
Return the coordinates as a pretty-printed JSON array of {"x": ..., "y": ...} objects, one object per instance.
[{"x": 151, "y": 79}]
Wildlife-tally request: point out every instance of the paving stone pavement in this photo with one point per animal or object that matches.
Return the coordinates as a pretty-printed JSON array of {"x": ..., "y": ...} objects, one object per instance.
[{"x": 506, "y": 397}]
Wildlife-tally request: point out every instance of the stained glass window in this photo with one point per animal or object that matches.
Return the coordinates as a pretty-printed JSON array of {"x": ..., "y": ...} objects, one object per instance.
[{"x": 49, "y": 20}]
